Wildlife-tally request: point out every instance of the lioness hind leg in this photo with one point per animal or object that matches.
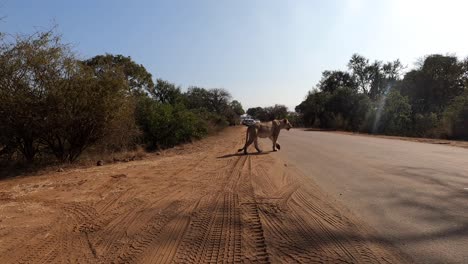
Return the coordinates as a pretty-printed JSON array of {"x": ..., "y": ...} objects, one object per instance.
[
  {"x": 251, "y": 140},
  {"x": 256, "y": 145}
]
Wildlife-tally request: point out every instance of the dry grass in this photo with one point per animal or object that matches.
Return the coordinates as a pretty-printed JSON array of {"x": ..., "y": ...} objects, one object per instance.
[{"x": 47, "y": 164}]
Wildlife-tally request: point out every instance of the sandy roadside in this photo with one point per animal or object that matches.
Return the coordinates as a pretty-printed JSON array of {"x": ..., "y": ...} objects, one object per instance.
[{"x": 201, "y": 203}]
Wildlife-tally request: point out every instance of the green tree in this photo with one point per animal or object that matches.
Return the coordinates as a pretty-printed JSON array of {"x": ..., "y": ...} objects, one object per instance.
[
  {"x": 395, "y": 118},
  {"x": 337, "y": 103},
  {"x": 372, "y": 97},
  {"x": 28, "y": 68},
  {"x": 166, "y": 125},
  {"x": 51, "y": 102},
  {"x": 455, "y": 118},
  {"x": 276, "y": 112},
  {"x": 219, "y": 100},
  {"x": 198, "y": 98},
  {"x": 345, "y": 109},
  {"x": 295, "y": 119},
  {"x": 333, "y": 80},
  {"x": 361, "y": 71},
  {"x": 167, "y": 93},
  {"x": 139, "y": 79},
  {"x": 377, "y": 80},
  {"x": 393, "y": 70},
  {"x": 215, "y": 100},
  {"x": 82, "y": 110},
  {"x": 269, "y": 113},
  {"x": 374, "y": 79},
  {"x": 257, "y": 113},
  {"x": 236, "y": 106},
  {"x": 433, "y": 85},
  {"x": 313, "y": 107},
  {"x": 425, "y": 125}
]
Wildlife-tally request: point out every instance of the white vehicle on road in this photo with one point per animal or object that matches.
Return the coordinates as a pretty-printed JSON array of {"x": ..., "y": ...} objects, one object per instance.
[{"x": 248, "y": 122}]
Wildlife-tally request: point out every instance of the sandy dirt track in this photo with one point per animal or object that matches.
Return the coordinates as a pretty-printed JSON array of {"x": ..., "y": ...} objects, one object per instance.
[{"x": 196, "y": 204}]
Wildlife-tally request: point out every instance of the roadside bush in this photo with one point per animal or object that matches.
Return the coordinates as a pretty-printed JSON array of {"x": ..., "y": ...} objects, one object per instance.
[
  {"x": 455, "y": 118},
  {"x": 212, "y": 121},
  {"x": 337, "y": 122},
  {"x": 85, "y": 110},
  {"x": 368, "y": 124},
  {"x": 165, "y": 125},
  {"x": 55, "y": 106},
  {"x": 424, "y": 125},
  {"x": 312, "y": 108},
  {"x": 396, "y": 115},
  {"x": 216, "y": 101},
  {"x": 378, "y": 97},
  {"x": 343, "y": 108},
  {"x": 295, "y": 119},
  {"x": 51, "y": 103},
  {"x": 25, "y": 65},
  {"x": 359, "y": 112},
  {"x": 231, "y": 117}
]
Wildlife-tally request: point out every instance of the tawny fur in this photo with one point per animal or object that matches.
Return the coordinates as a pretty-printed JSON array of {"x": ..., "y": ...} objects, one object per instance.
[{"x": 269, "y": 130}]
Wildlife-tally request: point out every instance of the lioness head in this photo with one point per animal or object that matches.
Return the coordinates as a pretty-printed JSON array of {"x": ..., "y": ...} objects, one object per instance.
[{"x": 285, "y": 123}]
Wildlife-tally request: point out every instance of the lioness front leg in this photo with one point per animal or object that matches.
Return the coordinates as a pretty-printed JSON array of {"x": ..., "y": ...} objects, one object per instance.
[{"x": 273, "y": 139}]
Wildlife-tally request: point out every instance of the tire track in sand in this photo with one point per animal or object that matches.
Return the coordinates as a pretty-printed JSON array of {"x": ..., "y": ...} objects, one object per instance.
[
  {"x": 214, "y": 232},
  {"x": 301, "y": 225},
  {"x": 254, "y": 246},
  {"x": 159, "y": 243}
]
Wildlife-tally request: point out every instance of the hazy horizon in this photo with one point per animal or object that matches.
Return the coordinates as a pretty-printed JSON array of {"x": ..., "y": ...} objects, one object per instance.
[{"x": 263, "y": 52}]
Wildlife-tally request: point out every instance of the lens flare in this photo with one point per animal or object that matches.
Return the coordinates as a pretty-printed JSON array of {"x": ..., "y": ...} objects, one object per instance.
[{"x": 380, "y": 108}]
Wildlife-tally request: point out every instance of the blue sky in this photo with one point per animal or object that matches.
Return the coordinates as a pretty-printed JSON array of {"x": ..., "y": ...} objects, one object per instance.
[{"x": 263, "y": 51}]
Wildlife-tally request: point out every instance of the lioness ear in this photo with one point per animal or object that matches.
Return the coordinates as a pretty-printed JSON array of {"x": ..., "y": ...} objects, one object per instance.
[{"x": 285, "y": 120}]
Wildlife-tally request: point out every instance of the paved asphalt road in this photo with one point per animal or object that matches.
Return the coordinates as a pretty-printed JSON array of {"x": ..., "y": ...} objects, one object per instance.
[{"x": 414, "y": 194}]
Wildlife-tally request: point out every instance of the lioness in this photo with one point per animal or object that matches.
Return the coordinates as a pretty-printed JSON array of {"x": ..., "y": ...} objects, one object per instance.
[{"x": 265, "y": 129}]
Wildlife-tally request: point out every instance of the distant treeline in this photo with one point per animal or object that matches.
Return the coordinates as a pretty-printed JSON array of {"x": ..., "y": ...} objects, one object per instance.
[
  {"x": 277, "y": 111},
  {"x": 375, "y": 97},
  {"x": 53, "y": 104}
]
